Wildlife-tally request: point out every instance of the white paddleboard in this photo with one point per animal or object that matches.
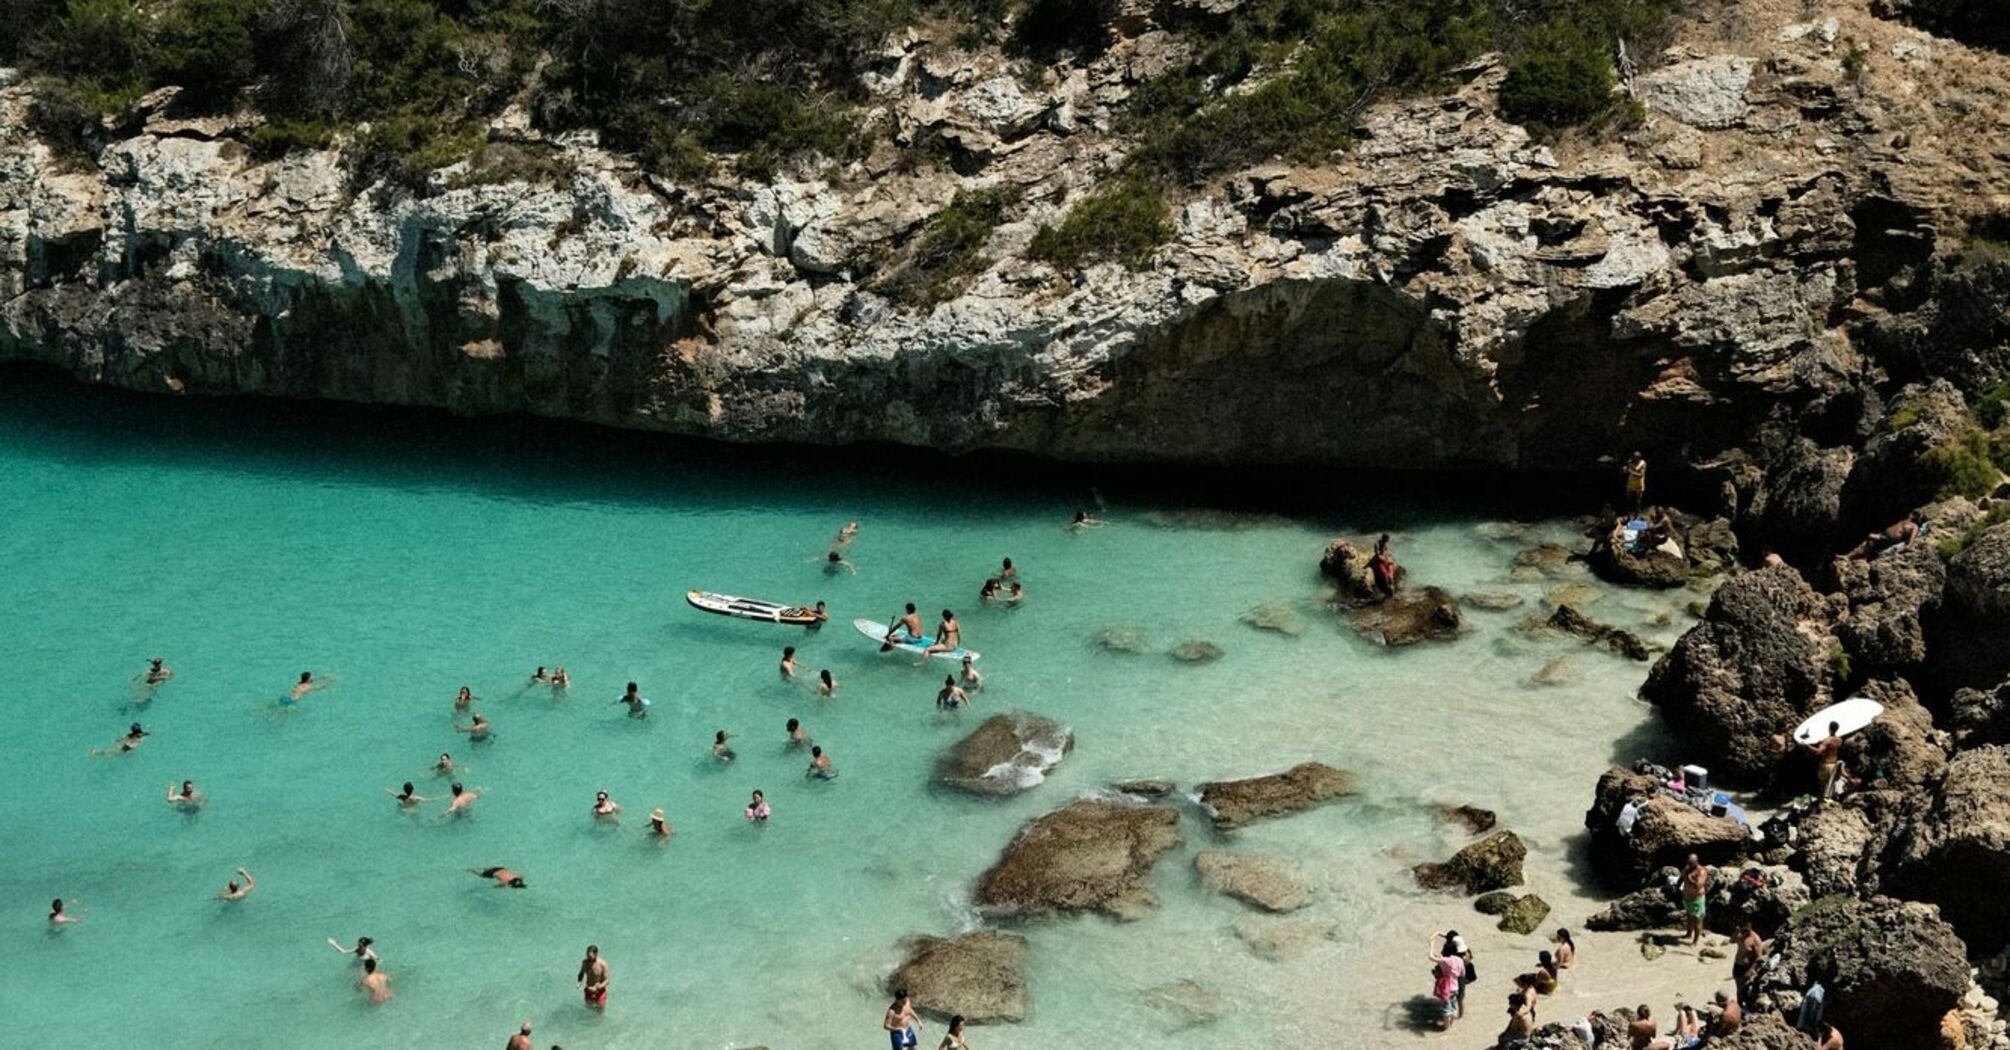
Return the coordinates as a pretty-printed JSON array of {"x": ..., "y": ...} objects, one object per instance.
[
  {"x": 876, "y": 631},
  {"x": 1849, "y": 716},
  {"x": 750, "y": 608}
]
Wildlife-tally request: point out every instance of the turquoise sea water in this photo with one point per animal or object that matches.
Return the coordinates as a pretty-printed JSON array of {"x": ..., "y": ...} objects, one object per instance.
[{"x": 406, "y": 558}]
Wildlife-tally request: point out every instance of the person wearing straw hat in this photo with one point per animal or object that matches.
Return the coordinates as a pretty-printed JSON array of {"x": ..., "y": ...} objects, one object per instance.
[{"x": 659, "y": 825}]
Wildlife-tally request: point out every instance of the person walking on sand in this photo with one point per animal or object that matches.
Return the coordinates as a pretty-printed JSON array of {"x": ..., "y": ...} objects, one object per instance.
[
  {"x": 593, "y": 977},
  {"x": 903, "y": 1027},
  {"x": 234, "y": 891},
  {"x": 375, "y": 983},
  {"x": 1635, "y": 473},
  {"x": 1695, "y": 893},
  {"x": 1447, "y": 970}
]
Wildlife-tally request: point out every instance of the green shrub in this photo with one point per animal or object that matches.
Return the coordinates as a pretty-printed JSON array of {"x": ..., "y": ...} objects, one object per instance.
[
  {"x": 1952, "y": 545},
  {"x": 405, "y": 149},
  {"x": 493, "y": 163},
  {"x": 205, "y": 46},
  {"x": 1855, "y": 60},
  {"x": 1993, "y": 405},
  {"x": 1839, "y": 663},
  {"x": 279, "y": 136},
  {"x": 1965, "y": 465},
  {"x": 949, "y": 249},
  {"x": 1563, "y": 79},
  {"x": 1122, "y": 221}
]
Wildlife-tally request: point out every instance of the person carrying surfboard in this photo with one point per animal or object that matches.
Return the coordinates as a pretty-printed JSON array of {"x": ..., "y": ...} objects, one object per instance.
[
  {"x": 905, "y": 631},
  {"x": 948, "y": 635},
  {"x": 1828, "y": 759}
]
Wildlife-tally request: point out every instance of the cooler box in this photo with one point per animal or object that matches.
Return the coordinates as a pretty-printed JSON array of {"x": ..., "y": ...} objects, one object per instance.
[{"x": 1696, "y": 778}]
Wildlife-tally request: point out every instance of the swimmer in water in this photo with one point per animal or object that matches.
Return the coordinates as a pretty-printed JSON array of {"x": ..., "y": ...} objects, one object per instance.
[
  {"x": 375, "y": 983},
  {"x": 948, "y": 636},
  {"x": 972, "y": 680},
  {"x": 561, "y": 680},
  {"x": 58, "y": 917},
  {"x": 307, "y": 684},
  {"x": 719, "y": 749},
  {"x": 538, "y": 677},
  {"x": 593, "y": 977},
  {"x": 789, "y": 662},
  {"x": 235, "y": 892},
  {"x": 835, "y": 561},
  {"x": 797, "y": 738},
  {"x": 1018, "y": 594},
  {"x": 521, "y": 1040},
  {"x": 505, "y": 879},
  {"x": 820, "y": 765},
  {"x": 186, "y": 796},
  {"x": 127, "y": 744},
  {"x": 951, "y": 696},
  {"x": 605, "y": 808},
  {"x": 476, "y": 729},
  {"x": 464, "y": 699},
  {"x": 362, "y": 951},
  {"x": 821, "y": 616},
  {"x": 659, "y": 825},
  {"x": 1008, "y": 571},
  {"x": 989, "y": 592},
  {"x": 463, "y": 800},
  {"x": 407, "y": 798},
  {"x": 638, "y": 705},
  {"x": 157, "y": 672},
  {"x": 826, "y": 685},
  {"x": 445, "y": 766},
  {"x": 1081, "y": 521},
  {"x": 845, "y": 536},
  {"x": 757, "y": 811}
]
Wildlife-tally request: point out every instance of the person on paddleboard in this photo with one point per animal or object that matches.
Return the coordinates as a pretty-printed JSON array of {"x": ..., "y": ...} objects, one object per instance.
[
  {"x": 948, "y": 635},
  {"x": 905, "y": 631}
]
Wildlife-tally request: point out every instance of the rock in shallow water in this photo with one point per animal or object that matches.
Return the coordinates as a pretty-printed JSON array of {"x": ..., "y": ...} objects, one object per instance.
[
  {"x": 1147, "y": 789},
  {"x": 1196, "y": 651},
  {"x": 1524, "y": 914},
  {"x": 1005, "y": 755},
  {"x": 1234, "y": 803},
  {"x": 1088, "y": 856},
  {"x": 1278, "y": 619},
  {"x": 1420, "y": 614},
  {"x": 1492, "y": 601},
  {"x": 1187, "y": 1003},
  {"x": 1279, "y": 940},
  {"x": 1492, "y": 863},
  {"x": 1472, "y": 818},
  {"x": 1127, "y": 640},
  {"x": 1265, "y": 882},
  {"x": 980, "y": 975}
]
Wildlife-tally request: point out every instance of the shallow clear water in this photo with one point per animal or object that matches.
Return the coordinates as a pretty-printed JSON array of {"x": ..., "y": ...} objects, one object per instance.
[{"x": 439, "y": 554}]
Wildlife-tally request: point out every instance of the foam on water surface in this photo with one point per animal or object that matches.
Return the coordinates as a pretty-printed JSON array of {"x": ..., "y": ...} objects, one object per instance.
[{"x": 245, "y": 554}]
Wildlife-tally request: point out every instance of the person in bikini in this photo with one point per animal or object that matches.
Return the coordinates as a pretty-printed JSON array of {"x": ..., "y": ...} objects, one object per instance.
[
  {"x": 605, "y": 808},
  {"x": 951, "y": 696},
  {"x": 948, "y": 636}
]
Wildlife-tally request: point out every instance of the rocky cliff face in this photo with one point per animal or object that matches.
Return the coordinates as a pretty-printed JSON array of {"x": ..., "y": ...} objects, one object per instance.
[{"x": 1447, "y": 292}]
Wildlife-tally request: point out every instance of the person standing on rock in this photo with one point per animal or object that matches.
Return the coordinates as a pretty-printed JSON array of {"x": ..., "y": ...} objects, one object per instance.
[
  {"x": 1636, "y": 482},
  {"x": 903, "y": 1028},
  {"x": 1695, "y": 890},
  {"x": 1447, "y": 971},
  {"x": 1382, "y": 566}
]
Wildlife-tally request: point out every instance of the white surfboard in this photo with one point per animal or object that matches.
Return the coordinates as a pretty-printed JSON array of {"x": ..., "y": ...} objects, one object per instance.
[
  {"x": 876, "y": 631},
  {"x": 750, "y": 608},
  {"x": 1849, "y": 716}
]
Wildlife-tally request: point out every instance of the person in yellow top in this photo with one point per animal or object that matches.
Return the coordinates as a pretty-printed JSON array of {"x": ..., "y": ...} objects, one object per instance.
[{"x": 1636, "y": 481}]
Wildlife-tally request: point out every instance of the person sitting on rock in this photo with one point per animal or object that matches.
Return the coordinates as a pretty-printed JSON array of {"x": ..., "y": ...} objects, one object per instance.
[
  {"x": 1896, "y": 534},
  {"x": 1729, "y": 1017},
  {"x": 1382, "y": 565}
]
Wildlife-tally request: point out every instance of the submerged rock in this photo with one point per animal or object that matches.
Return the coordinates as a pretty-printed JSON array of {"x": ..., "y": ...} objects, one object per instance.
[
  {"x": 980, "y": 975},
  {"x": 1234, "y": 803},
  {"x": 1547, "y": 558},
  {"x": 1494, "y": 903},
  {"x": 1187, "y": 1003},
  {"x": 1266, "y": 882},
  {"x": 1196, "y": 651},
  {"x": 1493, "y": 601},
  {"x": 1415, "y": 615},
  {"x": 1567, "y": 619},
  {"x": 1006, "y": 754},
  {"x": 1559, "y": 671},
  {"x": 1472, "y": 818},
  {"x": 1492, "y": 863},
  {"x": 1280, "y": 939},
  {"x": 1088, "y": 856},
  {"x": 1128, "y": 640},
  {"x": 1524, "y": 914},
  {"x": 1146, "y": 789},
  {"x": 1278, "y": 619}
]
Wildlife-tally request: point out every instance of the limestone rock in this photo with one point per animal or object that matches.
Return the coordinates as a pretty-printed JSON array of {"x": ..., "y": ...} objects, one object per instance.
[
  {"x": 1005, "y": 754},
  {"x": 1277, "y": 619},
  {"x": 1346, "y": 565},
  {"x": 1088, "y": 856},
  {"x": 1234, "y": 803},
  {"x": 1127, "y": 640},
  {"x": 980, "y": 975},
  {"x": 1890, "y": 598},
  {"x": 1412, "y": 615},
  {"x": 1279, "y": 940},
  {"x": 1957, "y": 852},
  {"x": 1145, "y": 789},
  {"x": 1703, "y": 92},
  {"x": 1472, "y": 818},
  {"x": 1757, "y": 664},
  {"x": 1496, "y": 903},
  {"x": 1625, "y": 643},
  {"x": 1492, "y": 863},
  {"x": 1892, "y": 969},
  {"x": 1978, "y": 599},
  {"x": 1492, "y": 601},
  {"x": 1524, "y": 916},
  {"x": 1664, "y": 833},
  {"x": 1265, "y": 882}
]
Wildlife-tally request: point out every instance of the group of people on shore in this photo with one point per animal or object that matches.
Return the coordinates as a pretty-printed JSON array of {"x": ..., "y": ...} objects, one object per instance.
[{"x": 1453, "y": 973}]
